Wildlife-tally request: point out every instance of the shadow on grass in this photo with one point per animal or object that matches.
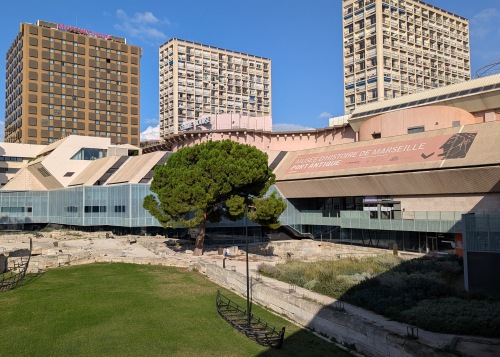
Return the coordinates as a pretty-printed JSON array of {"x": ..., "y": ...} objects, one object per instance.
[
  {"x": 30, "y": 278},
  {"x": 304, "y": 343}
]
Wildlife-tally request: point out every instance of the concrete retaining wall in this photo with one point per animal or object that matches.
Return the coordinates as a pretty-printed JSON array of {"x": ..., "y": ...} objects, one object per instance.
[{"x": 349, "y": 330}]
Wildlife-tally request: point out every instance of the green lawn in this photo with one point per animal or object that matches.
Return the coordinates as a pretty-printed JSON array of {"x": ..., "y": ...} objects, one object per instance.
[{"x": 132, "y": 310}]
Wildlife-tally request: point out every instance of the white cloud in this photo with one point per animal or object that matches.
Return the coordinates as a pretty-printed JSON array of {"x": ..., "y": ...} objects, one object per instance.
[
  {"x": 290, "y": 127},
  {"x": 151, "y": 133},
  {"x": 150, "y": 121},
  {"x": 485, "y": 23},
  {"x": 484, "y": 30},
  {"x": 325, "y": 115},
  {"x": 144, "y": 26}
]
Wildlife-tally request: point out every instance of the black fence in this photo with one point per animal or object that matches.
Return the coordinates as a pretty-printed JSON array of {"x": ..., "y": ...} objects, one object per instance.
[
  {"x": 253, "y": 327},
  {"x": 15, "y": 274}
]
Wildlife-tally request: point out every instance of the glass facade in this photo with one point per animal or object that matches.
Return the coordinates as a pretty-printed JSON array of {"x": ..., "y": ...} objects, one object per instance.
[{"x": 119, "y": 205}]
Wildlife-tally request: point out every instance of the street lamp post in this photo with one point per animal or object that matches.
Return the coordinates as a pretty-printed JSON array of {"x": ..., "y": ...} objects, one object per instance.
[{"x": 248, "y": 274}]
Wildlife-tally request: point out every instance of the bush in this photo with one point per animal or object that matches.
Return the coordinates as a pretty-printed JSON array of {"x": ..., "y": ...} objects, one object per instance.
[{"x": 454, "y": 315}]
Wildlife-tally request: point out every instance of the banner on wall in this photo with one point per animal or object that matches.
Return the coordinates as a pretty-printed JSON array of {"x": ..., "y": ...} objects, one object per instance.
[{"x": 443, "y": 147}]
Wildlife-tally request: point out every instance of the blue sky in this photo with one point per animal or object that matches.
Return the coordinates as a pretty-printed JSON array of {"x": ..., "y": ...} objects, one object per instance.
[{"x": 303, "y": 38}]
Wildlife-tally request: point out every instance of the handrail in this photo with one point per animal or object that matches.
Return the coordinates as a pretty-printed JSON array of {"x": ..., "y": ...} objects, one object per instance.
[
  {"x": 12, "y": 278},
  {"x": 254, "y": 328}
]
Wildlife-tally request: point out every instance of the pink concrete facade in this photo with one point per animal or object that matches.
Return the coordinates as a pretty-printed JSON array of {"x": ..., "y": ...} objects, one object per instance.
[
  {"x": 266, "y": 141},
  {"x": 430, "y": 117}
]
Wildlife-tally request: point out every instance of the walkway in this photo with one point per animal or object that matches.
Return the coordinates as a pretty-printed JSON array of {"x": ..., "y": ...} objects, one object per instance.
[{"x": 469, "y": 346}]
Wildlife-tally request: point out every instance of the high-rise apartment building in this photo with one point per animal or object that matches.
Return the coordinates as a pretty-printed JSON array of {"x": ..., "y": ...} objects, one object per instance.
[
  {"x": 398, "y": 47},
  {"x": 63, "y": 80},
  {"x": 196, "y": 80}
]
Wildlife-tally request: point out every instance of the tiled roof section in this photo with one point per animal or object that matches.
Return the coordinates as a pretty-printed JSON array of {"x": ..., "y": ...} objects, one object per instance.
[
  {"x": 94, "y": 171},
  {"x": 136, "y": 168},
  {"x": 22, "y": 181}
]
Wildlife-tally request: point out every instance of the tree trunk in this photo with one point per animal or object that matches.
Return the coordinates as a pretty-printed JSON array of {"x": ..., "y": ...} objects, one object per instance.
[{"x": 200, "y": 238}]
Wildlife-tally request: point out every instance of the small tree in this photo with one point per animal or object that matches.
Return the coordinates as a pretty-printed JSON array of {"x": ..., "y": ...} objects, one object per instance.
[{"x": 211, "y": 181}]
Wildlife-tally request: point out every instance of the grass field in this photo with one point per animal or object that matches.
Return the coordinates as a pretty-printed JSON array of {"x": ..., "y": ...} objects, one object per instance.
[{"x": 132, "y": 310}]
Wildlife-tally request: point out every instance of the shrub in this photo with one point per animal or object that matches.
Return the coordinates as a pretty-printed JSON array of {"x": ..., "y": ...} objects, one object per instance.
[{"x": 454, "y": 315}]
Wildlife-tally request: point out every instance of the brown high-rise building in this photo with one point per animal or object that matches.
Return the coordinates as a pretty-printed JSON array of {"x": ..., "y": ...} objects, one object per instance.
[{"x": 63, "y": 80}]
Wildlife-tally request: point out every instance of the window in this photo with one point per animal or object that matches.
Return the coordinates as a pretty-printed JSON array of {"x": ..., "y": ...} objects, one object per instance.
[
  {"x": 88, "y": 154},
  {"x": 416, "y": 129},
  {"x": 72, "y": 209},
  {"x": 376, "y": 135},
  {"x": 120, "y": 209},
  {"x": 69, "y": 174},
  {"x": 95, "y": 209}
]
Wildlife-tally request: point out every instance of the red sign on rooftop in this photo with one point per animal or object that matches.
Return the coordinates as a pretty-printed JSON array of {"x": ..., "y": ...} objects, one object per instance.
[{"x": 82, "y": 31}]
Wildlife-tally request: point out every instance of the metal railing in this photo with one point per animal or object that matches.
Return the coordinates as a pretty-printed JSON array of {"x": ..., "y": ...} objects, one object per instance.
[
  {"x": 13, "y": 276},
  {"x": 255, "y": 328}
]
